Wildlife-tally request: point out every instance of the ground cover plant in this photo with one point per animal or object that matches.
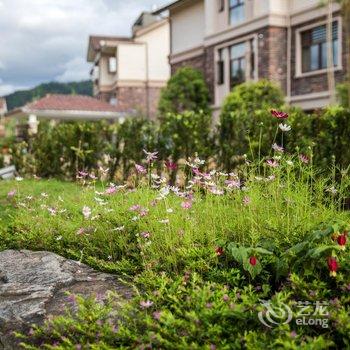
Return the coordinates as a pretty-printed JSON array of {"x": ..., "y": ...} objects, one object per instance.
[{"x": 218, "y": 260}]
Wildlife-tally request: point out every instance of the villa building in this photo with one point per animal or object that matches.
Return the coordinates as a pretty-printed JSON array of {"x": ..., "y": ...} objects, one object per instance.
[
  {"x": 130, "y": 72},
  {"x": 232, "y": 41}
]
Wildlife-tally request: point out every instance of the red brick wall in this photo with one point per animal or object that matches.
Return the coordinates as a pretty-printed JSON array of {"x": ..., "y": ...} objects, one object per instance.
[
  {"x": 195, "y": 62},
  {"x": 135, "y": 98}
]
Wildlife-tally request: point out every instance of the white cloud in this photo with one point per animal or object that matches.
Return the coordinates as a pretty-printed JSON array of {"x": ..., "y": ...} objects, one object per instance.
[
  {"x": 74, "y": 70},
  {"x": 47, "y": 39}
]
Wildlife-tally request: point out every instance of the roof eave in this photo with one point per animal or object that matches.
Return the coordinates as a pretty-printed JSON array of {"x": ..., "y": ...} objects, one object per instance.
[
  {"x": 68, "y": 114},
  {"x": 168, "y": 7}
]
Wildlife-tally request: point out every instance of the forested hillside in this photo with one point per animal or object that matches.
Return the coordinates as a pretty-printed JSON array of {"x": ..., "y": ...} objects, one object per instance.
[{"x": 20, "y": 98}]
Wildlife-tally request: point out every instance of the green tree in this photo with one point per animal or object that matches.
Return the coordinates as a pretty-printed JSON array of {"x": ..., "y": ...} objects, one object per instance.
[{"x": 186, "y": 91}]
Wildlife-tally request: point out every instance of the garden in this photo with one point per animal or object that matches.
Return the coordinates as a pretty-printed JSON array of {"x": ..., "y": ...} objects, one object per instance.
[{"x": 231, "y": 236}]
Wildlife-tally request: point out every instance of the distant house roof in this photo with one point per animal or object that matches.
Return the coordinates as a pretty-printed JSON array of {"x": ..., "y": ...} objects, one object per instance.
[
  {"x": 70, "y": 107},
  {"x": 3, "y": 106},
  {"x": 97, "y": 42}
]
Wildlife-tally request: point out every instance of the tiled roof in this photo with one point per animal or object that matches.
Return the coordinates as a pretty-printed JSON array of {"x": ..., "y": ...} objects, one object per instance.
[{"x": 71, "y": 103}]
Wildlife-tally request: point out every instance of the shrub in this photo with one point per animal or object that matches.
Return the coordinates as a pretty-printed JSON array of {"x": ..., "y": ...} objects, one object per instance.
[
  {"x": 186, "y": 91},
  {"x": 185, "y": 134},
  {"x": 245, "y": 116},
  {"x": 136, "y": 134},
  {"x": 331, "y": 137},
  {"x": 343, "y": 91}
]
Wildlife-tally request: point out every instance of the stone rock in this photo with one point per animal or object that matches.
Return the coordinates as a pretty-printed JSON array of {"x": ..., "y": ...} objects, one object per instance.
[{"x": 34, "y": 285}]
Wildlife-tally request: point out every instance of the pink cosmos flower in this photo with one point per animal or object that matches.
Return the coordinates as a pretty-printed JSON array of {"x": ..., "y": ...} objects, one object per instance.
[
  {"x": 81, "y": 231},
  {"x": 111, "y": 190},
  {"x": 146, "y": 304},
  {"x": 186, "y": 205},
  {"x": 157, "y": 315},
  {"x": 304, "y": 159},
  {"x": 196, "y": 172},
  {"x": 225, "y": 297},
  {"x": 135, "y": 207},
  {"x": 279, "y": 114},
  {"x": 233, "y": 183},
  {"x": 272, "y": 163},
  {"x": 83, "y": 173},
  {"x": 143, "y": 212},
  {"x": 140, "y": 169},
  {"x": 11, "y": 194},
  {"x": 86, "y": 212},
  {"x": 246, "y": 200},
  {"x": 145, "y": 234},
  {"x": 92, "y": 176}
]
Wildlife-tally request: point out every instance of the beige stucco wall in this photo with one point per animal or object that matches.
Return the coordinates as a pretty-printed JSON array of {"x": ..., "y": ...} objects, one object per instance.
[
  {"x": 105, "y": 78},
  {"x": 131, "y": 61},
  {"x": 157, "y": 43},
  {"x": 187, "y": 26},
  {"x": 298, "y": 5}
]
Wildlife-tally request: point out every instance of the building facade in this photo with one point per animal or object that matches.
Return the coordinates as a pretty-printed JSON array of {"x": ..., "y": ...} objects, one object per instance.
[
  {"x": 232, "y": 41},
  {"x": 130, "y": 72}
]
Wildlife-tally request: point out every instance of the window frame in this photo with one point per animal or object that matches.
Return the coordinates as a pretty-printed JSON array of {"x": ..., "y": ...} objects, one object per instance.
[
  {"x": 299, "y": 49},
  {"x": 231, "y": 8}
]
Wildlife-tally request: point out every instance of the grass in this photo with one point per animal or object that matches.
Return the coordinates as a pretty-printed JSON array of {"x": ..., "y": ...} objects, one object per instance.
[{"x": 166, "y": 244}]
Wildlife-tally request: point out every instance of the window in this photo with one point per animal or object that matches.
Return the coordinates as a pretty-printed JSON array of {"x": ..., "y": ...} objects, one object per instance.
[
  {"x": 237, "y": 11},
  {"x": 314, "y": 48},
  {"x": 238, "y": 64},
  {"x": 220, "y": 69},
  {"x": 221, "y": 5},
  {"x": 112, "y": 64}
]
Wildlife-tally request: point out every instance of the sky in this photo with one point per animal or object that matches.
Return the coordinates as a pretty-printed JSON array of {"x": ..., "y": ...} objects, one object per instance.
[{"x": 46, "y": 40}]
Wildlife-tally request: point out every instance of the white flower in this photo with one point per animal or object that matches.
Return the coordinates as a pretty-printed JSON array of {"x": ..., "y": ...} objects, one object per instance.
[
  {"x": 169, "y": 210},
  {"x": 52, "y": 211},
  {"x": 332, "y": 190},
  {"x": 164, "y": 221},
  {"x": 86, "y": 212},
  {"x": 120, "y": 228},
  {"x": 277, "y": 148},
  {"x": 289, "y": 162},
  {"x": 284, "y": 127},
  {"x": 18, "y": 178}
]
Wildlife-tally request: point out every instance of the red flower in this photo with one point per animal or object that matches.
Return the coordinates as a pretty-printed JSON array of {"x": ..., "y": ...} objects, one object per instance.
[
  {"x": 219, "y": 251},
  {"x": 279, "y": 114},
  {"x": 252, "y": 260},
  {"x": 332, "y": 265},
  {"x": 342, "y": 239},
  {"x": 170, "y": 165}
]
